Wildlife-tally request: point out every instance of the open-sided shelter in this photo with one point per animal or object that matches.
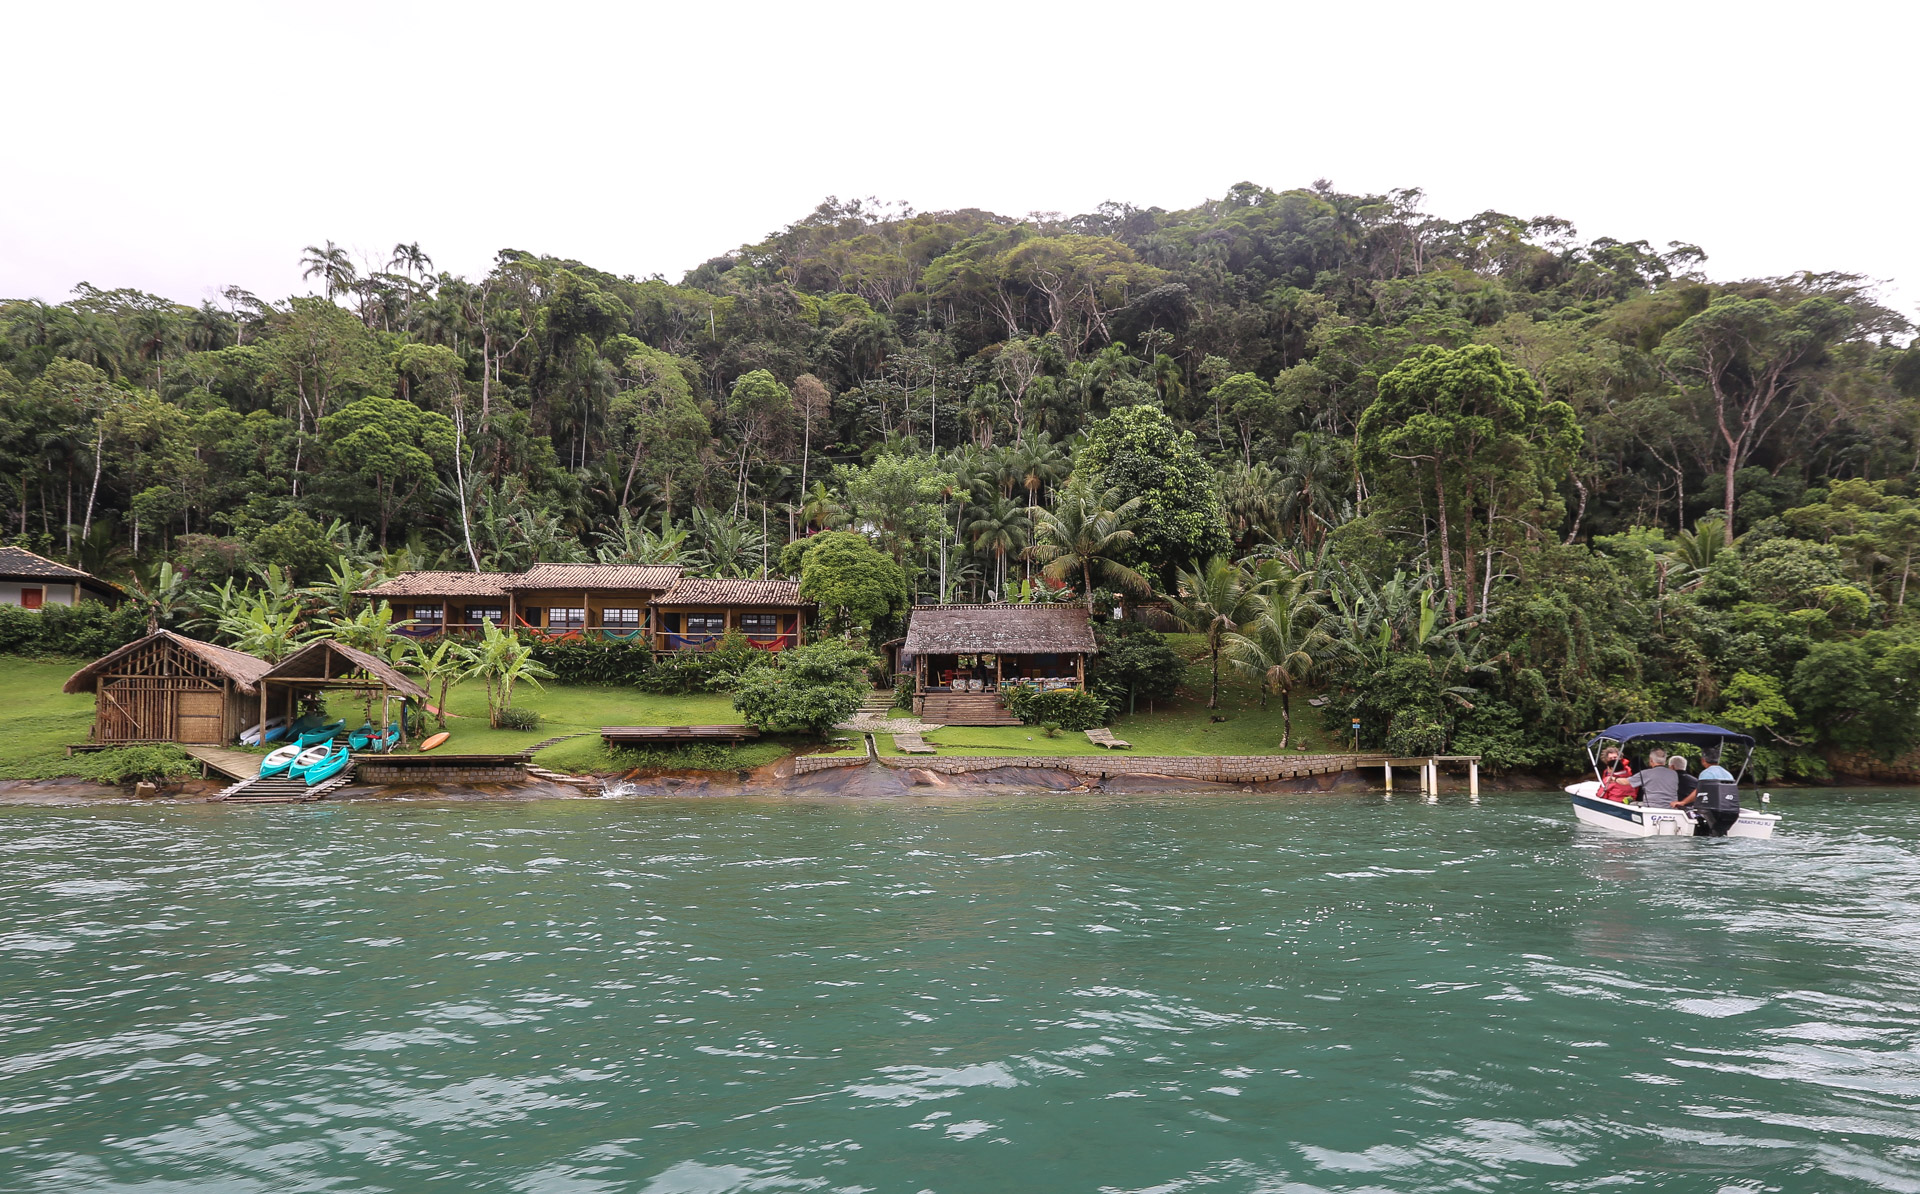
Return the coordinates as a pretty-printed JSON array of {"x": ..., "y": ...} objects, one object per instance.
[
  {"x": 167, "y": 687},
  {"x": 324, "y": 665},
  {"x": 982, "y": 648}
]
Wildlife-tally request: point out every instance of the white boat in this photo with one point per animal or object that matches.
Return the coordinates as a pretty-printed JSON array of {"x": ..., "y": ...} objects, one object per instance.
[
  {"x": 1638, "y": 820},
  {"x": 251, "y": 735}
]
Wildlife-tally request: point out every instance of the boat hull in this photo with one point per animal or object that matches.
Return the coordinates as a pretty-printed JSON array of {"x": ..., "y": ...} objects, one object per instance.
[{"x": 1636, "y": 820}]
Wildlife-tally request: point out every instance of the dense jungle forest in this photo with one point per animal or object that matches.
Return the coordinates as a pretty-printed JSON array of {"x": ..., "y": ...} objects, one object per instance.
[{"x": 1488, "y": 483}]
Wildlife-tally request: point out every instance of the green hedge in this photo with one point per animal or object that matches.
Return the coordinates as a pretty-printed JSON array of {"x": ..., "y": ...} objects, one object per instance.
[
  {"x": 1068, "y": 708},
  {"x": 84, "y": 631},
  {"x": 581, "y": 662}
]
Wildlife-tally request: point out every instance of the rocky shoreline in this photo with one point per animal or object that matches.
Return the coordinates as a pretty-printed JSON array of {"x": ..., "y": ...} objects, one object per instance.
[{"x": 872, "y": 779}]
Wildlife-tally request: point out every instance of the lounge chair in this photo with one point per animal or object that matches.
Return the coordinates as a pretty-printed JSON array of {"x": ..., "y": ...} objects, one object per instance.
[
  {"x": 912, "y": 744},
  {"x": 1104, "y": 737}
]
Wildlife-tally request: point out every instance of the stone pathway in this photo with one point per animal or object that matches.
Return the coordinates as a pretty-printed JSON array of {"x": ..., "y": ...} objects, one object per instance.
[{"x": 866, "y": 723}]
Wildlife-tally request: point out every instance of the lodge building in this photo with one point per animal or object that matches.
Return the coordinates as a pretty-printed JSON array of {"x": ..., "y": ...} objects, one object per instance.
[{"x": 651, "y": 604}]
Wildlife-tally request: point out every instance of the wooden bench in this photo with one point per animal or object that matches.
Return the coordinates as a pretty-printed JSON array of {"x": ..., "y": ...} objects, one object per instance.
[
  {"x": 912, "y": 744},
  {"x": 1104, "y": 737}
]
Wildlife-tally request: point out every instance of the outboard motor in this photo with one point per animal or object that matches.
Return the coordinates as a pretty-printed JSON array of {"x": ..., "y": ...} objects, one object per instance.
[{"x": 1717, "y": 809}]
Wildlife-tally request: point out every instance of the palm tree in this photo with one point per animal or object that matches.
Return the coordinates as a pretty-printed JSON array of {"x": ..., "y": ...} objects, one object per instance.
[
  {"x": 1285, "y": 645},
  {"x": 503, "y": 661},
  {"x": 1089, "y": 535},
  {"x": 331, "y": 264},
  {"x": 410, "y": 258},
  {"x": 1001, "y": 527},
  {"x": 1215, "y": 600},
  {"x": 450, "y": 662},
  {"x": 1698, "y": 548}
]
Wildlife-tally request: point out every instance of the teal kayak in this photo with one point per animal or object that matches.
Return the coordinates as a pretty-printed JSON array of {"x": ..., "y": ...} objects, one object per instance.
[
  {"x": 359, "y": 738},
  {"x": 328, "y": 767},
  {"x": 279, "y": 760},
  {"x": 312, "y": 756},
  {"x": 325, "y": 733}
]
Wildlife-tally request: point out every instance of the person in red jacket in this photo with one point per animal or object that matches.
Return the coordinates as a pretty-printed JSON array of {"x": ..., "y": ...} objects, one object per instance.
[{"x": 1615, "y": 774}]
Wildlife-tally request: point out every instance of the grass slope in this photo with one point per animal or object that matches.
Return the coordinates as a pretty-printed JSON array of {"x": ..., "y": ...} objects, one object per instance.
[{"x": 37, "y": 720}]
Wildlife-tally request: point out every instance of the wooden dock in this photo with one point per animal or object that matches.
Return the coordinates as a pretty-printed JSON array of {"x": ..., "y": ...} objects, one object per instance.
[
  {"x": 656, "y": 735},
  {"x": 234, "y": 764}
]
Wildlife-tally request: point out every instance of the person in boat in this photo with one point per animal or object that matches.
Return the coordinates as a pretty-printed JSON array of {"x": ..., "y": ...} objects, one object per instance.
[
  {"x": 1615, "y": 775},
  {"x": 1714, "y": 801},
  {"x": 1659, "y": 784},
  {"x": 1712, "y": 768}
]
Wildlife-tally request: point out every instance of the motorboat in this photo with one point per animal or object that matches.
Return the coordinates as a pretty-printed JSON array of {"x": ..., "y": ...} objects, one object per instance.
[{"x": 1634, "y": 819}]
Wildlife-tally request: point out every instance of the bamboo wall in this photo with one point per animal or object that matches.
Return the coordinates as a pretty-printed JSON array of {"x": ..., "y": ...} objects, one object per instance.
[{"x": 165, "y": 694}]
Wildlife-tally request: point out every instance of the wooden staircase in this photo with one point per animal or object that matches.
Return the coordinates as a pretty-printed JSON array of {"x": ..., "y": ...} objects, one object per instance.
[
  {"x": 279, "y": 789},
  {"x": 966, "y": 709},
  {"x": 878, "y": 704}
]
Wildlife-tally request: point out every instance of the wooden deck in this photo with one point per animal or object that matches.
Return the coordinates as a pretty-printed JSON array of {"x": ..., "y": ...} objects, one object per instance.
[
  {"x": 651, "y": 735},
  {"x": 234, "y": 764}
]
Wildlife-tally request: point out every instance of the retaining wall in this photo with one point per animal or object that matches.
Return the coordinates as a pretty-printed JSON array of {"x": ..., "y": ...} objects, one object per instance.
[
  {"x": 1229, "y": 769},
  {"x": 370, "y": 771}
]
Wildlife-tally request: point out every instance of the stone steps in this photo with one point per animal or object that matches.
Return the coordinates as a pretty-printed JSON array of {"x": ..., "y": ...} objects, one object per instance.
[{"x": 966, "y": 709}]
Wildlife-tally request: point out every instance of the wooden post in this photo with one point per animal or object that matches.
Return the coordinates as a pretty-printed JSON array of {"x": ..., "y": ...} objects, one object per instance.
[
  {"x": 1388, "y": 772},
  {"x": 263, "y": 713},
  {"x": 1424, "y": 779},
  {"x": 1433, "y": 777},
  {"x": 1473, "y": 777}
]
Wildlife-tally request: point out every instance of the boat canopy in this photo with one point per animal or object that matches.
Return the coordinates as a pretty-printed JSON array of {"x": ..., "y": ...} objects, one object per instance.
[{"x": 1689, "y": 732}]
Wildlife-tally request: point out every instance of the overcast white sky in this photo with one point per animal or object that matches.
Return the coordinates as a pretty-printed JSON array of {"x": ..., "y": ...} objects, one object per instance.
[{"x": 181, "y": 147}]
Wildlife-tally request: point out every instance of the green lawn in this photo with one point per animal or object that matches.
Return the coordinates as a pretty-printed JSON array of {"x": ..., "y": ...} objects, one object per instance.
[
  {"x": 37, "y": 720},
  {"x": 1183, "y": 726}
]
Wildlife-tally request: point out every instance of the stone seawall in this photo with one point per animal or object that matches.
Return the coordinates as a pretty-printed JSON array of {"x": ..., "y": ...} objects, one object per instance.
[
  {"x": 1226, "y": 769},
  {"x": 369, "y": 771}
]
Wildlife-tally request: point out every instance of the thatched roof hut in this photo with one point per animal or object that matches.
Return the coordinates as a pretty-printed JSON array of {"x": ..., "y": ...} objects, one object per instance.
[
  {"x": 999, "y": 630},
  {"x": 167, "y": 687}
]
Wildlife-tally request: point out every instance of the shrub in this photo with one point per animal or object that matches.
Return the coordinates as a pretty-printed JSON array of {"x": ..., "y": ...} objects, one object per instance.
[
  {"x": 85, "y": 631},
  {"x": 1135, "y": 661},
  {"x": 814, "y": 688},
  {"x": 1068, "y": 708},
  {"x": 1050, "y": 728},
  {"x": 515, "y": 717},
  {"x": 718, "y": 670},
  {"x": 574, "y": 661},
  {"x": 129, "y": 764}
]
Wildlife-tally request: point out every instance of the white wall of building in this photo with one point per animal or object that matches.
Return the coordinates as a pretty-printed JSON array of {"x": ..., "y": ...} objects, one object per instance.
[{"x": 56, "y": 592}]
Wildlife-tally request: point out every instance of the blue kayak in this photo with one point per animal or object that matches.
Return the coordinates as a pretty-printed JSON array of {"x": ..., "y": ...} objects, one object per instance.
[{"x": 359, "y": 738}]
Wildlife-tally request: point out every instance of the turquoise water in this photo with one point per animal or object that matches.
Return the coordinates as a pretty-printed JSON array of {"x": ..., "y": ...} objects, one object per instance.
[{"x": 1051, "y": 993}]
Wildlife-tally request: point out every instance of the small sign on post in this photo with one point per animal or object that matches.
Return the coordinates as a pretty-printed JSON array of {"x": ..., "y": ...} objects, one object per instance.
[{"x": 1356, "y": 733}]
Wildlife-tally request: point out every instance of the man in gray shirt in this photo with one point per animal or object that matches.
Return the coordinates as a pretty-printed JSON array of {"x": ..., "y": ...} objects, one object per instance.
[{"x": 1659, "y": 784}]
